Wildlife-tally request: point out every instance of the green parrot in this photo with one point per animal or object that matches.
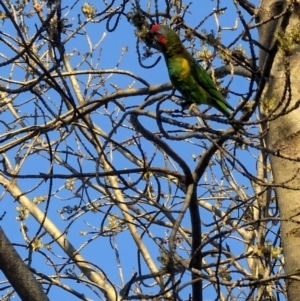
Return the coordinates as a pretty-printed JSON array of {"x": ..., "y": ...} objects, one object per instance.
[{"x": 186, "y": 75}]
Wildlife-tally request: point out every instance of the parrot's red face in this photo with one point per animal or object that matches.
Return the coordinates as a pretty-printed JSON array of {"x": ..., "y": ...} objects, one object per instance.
[{"x": 158, "y": 35}]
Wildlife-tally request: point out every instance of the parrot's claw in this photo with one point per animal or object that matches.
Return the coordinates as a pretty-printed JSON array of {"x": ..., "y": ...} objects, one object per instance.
[{"x": 185, "y": 105}]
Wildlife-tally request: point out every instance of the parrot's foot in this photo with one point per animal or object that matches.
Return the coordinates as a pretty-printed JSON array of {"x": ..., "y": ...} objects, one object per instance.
[{"x": 185, "y": 105}]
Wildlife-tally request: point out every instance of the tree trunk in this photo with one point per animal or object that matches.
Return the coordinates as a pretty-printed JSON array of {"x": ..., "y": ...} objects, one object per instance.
[
  {"x": 279, "y": 102},
  {"x": 18, "y": 273}
]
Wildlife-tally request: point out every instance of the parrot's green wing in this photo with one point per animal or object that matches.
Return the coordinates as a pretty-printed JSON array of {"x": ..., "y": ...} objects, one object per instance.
[{"x": 203, "y": 79}]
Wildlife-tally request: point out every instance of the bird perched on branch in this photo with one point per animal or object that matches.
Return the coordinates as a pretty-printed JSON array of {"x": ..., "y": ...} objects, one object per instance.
[{"x": 186, "y": 75}]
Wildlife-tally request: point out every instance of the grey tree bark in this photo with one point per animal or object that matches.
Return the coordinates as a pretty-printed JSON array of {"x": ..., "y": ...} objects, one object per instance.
[
  {"x": 18, "y": 273},
  {"x": 279, "y": 102}
]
